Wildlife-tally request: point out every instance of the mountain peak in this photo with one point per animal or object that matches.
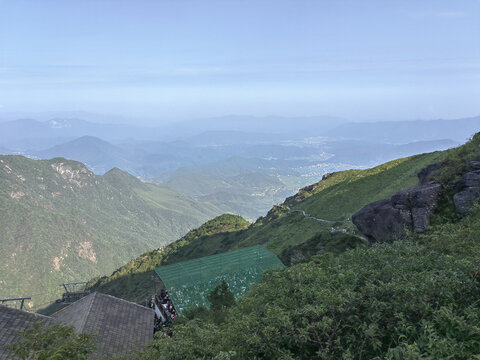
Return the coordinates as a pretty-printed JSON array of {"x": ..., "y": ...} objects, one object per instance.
[
  {"x": 89, "y": 139},
  {"x": 122, "y": 179}
]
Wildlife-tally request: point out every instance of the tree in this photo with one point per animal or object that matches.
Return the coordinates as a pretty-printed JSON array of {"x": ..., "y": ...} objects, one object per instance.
[
  {"x": 221, "y": 297},
  {"x": 53, "y": 342}
]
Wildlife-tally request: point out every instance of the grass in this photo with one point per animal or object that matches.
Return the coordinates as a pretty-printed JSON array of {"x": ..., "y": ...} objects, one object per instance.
[
  {"x": 456, "y": 162},
  {"x": 344, "y": 193}
]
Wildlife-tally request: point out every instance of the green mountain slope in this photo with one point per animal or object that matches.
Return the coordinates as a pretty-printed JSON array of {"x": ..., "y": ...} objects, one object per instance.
[
  {"x": 59, "y": 222},
  {"x": 415, "y": 298},
  {"x": 406, "y": 300},
  {"x": 333, "y": 200},
  {"x": 133, "y": 281},
  {"x": 233, "y": 186},
  {"x": 295, "y": 230},
  {"x": 342, "y": 193}
]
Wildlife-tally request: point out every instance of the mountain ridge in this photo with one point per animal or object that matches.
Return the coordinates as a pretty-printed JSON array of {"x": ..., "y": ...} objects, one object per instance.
[{"x": 60, "y": 218}]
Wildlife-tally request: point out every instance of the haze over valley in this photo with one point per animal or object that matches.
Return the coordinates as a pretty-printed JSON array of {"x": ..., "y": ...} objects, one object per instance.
[{"x": 241, "y": 164}]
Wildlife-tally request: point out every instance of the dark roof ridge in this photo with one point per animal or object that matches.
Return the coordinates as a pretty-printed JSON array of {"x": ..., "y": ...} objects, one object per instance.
[
  {"x": 27, "y": 312},
  {"x": 92, "y": 296},
  {"x": 117, "y": 298},
  {"x": 66, "y": 309}
]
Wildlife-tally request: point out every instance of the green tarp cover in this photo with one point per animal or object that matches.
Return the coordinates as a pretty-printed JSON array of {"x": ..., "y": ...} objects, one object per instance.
[{"x": 189, "y": 282}]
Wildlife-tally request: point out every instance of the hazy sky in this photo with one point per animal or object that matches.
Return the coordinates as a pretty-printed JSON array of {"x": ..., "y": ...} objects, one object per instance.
[{"x": 179, "y": 59}]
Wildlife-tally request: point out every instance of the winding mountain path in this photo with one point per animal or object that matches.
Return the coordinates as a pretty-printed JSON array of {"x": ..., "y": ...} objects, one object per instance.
[
  {"x": 308, "y": 215},
  {"x": 333, "y": 230}
]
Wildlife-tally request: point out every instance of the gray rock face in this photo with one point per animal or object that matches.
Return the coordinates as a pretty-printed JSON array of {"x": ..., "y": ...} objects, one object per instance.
[
  {"x": 474, "y": 165},
  {"x": 471, "y": 178},
  {"x": 407, "y": 210},
  {"x": 465, "y": 200}
]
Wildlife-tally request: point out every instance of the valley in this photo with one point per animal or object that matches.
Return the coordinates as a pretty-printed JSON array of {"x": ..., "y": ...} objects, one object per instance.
[{"x": 243, "y": 171}]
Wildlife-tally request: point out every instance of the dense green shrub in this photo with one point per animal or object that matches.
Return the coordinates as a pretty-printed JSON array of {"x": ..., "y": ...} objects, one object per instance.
[
  {"x": 221, "y": 297},
  {"x": 56, "y": 342},
  {"x": 456, "y": 161}
]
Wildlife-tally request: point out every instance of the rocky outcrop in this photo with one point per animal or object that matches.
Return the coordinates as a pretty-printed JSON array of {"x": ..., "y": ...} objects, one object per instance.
[
  {"x": 390, "y": 219},
  {"x": 424, "y": 176},
  {"x": 474, "y": 165},
  {"x": 471, "y": 179},
  {"x": 410, "y": 210},
  {"x": 465, "y": 200}
]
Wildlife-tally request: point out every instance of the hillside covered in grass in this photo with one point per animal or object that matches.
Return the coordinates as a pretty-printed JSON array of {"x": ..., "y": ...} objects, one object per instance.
[
  {"x": 415, "y": 298},
  {"x": 133, "y": 281},
  {"x": 315, "y": 220},
  {"x": 62, "y": 223}
]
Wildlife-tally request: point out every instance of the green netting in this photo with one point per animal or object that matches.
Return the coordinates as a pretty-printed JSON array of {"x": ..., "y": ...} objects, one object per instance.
[{"x": 189, "y": 282}]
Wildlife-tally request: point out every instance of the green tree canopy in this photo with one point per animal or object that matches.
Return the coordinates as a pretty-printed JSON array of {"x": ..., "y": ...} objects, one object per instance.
[
  {"x": 221, "y": 297},
  {"x": 56, "y": 342}
]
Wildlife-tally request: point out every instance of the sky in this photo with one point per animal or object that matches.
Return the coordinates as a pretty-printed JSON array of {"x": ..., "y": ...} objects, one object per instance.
[{"x": 180, "y": 59}]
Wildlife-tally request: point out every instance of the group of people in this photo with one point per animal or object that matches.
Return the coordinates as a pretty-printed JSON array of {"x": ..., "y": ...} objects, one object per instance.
[{"x": 164, "y": 312}]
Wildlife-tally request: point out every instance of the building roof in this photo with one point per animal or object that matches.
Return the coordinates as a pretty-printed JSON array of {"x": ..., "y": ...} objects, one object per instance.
[
  {"x": 189, "y": 282},
  {"x": 121, "y": 326},
  {"x": 12, "y": 321}
]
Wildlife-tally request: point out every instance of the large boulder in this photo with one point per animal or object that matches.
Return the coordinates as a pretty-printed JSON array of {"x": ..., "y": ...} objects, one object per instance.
[
  {"x": 407, "y": 210},
  {"x": 474, "y": 165},
  {"x": 471, "y": 178},
  {"x": 464, "y": 200}
]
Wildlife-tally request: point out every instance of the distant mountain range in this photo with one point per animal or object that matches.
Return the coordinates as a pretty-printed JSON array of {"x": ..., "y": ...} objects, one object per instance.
[
  {"x": 400, "y": 132},
  {"x": 32, "y": 135},
  {"x": 60, "y": 222},
  {"x": 224, "y": 165},
  {"x": 99, "y": 155}
]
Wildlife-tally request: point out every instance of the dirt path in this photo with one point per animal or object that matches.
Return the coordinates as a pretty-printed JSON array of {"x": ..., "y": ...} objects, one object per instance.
[
  {"x": 311, "y": 216},
  {"x": 333, "y": 230}
]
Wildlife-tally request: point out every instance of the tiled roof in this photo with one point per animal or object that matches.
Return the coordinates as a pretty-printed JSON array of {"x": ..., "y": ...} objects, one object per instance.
[
  {"x": 12, "y": 321},
  {"x": 121, "y": 326}
]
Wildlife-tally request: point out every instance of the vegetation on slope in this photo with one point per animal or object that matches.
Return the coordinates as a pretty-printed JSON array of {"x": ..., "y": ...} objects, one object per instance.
[
  {"x": 285, "y": 230},
  {"x": 343, "y": 193},
  {"x": 233, "y": 185},
  {"x": 62, "y": 223},
  {"x": 133, "y": 281},
  {"x": 456, "y": 161},
  {"x": 409, "y": 299},
  {"x": 57, "y": 341},
  {"x": 406, "y": 300}
]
